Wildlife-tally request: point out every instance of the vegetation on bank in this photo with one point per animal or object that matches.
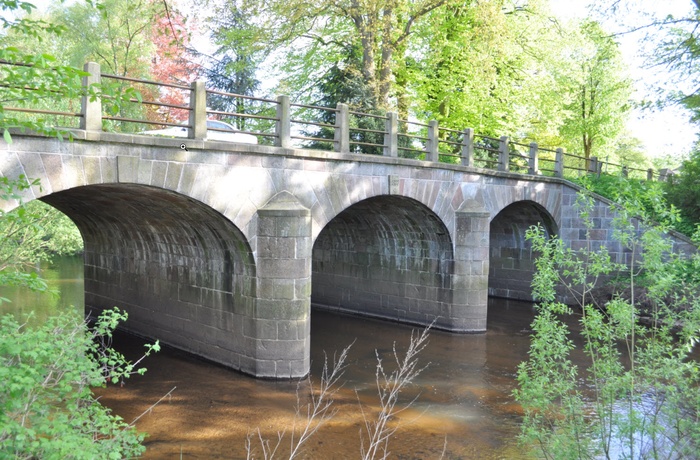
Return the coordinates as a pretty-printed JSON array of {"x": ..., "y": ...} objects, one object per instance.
[
  {"x": 47, "y": 409},
  {"x": 639, "y": 396}
]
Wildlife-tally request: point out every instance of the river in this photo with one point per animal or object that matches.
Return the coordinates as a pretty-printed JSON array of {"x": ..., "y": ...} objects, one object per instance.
[{"x": 463, "y": 407}]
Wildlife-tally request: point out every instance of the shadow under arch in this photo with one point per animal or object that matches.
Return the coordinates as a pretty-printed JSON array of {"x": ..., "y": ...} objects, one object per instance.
[
  {"x": 184, "y": 273},
  {"x": 511, "y": 260},
  {"x": 388, "y": 257}
]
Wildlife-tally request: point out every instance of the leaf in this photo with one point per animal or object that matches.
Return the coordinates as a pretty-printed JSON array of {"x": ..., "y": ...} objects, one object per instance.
[{"x": 7, "y": 136}]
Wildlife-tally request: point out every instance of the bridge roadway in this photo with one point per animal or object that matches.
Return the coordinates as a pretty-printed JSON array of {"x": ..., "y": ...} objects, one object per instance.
[{"x": 222, "y": 249}]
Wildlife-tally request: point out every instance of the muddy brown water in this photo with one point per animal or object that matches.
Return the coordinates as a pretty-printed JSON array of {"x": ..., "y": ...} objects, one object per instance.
[{"x": 463, "y": 404}]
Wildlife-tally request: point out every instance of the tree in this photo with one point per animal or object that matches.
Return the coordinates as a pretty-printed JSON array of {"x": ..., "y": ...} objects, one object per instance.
[
  {"x": 143, "y": 39},
  {"x": 629, "y": 151},
  {"x": 598, "y": 110},
  {"x": 233, "y": 67},
  {"x": 683, "y": 191},
  {"x": 39, "y": 80},
  {"x": 490, "y": 66},
  {"x": 317, "y": 35}
]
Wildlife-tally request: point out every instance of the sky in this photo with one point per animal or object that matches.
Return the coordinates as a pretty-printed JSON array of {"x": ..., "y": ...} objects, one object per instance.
[{"x": 663, "y": 132}]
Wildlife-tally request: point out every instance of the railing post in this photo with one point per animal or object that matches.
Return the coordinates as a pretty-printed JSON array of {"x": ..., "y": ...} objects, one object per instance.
[
  {"x": 342, "y": 128},
  {"x": 283, "y": 126},
  {"x": 468, "y": 147},
  {"x": 665, "y": 174},
  {"x": 624, "y": 172},
  {"x": 391, "y": 135},
  {"x": 91, "y": 110},
  {"x": 503, "y": 164},
  {"x": 534, "y": 167},
  {"x": 431, "y": 147},
  {"x": 650, "y": 174},
  {"x": 593, "y": 165},
  {"x": 559, "y": 162},
  {"x": 198, "y": 111}
]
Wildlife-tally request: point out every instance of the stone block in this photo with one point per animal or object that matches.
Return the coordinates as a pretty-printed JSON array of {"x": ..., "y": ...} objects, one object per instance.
[
  {"x": 284, "y": 268},
  {"x": 282, "y": 310},
  {"x": 128, "y": 169},
  {"x": 277, "y": 289}
]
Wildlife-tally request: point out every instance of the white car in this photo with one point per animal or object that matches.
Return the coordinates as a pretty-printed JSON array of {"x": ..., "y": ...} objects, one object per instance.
[{"x": 231, "y": 135}]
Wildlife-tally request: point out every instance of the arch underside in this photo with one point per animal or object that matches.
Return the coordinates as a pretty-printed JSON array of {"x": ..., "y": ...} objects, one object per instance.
[
  {"x": 182, "y": 271},
  {"x": 388, "y": 257},
  {"x": 511, "y": 260}
]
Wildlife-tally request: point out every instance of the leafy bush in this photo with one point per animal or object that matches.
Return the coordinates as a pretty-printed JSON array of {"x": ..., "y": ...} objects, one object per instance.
[
  {"x": 640, "y": 394},
  {"x": 47, "y": 407}
]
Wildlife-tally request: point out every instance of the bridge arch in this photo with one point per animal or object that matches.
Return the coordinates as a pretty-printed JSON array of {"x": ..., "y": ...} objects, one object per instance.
[
  {"x": 511, "y": 260},
  {"x": 386, "y": 256},
  {"x": 183, "y": 272}
]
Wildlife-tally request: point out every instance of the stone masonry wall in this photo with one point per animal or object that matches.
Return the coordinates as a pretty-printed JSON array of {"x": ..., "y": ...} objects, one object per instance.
[
  {"x": 183, "y": 274},
  {"x": 387, "y": 257},
  {"x": 512, "y": 262},
  {"x": 211, "y": 247}
]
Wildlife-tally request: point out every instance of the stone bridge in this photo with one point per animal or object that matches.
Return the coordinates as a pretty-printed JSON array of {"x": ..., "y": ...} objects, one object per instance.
[{"x": 222, "y": 249}]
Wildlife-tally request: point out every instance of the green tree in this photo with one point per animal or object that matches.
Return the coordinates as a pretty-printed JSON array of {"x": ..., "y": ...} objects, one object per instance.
[
  {"x": 600, "y": 102},
  {"x": 490, "y": 66},
  {"x": 683, "y": 191},
  {"x": 315, "y": 36},
  {"x": 675, "y": 46},
  {"x": 31, "y": 234},
  {"x": 38, "y": 80}
]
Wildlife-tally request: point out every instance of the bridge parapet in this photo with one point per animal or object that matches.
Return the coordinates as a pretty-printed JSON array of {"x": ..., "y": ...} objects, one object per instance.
[{"x": 282, "y": 123}]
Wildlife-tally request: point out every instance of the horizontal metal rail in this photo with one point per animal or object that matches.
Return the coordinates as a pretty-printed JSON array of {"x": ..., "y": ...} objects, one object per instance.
[{"x": 431, "y": 141}]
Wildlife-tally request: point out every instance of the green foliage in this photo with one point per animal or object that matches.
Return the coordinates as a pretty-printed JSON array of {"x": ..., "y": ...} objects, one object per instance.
[
  {"x": 51, "y": 80},
  {"x": 651, "y": 194},
  {"x": 597, "y": 112},
  {"x": 47, "y": 409},
  {"x": 31, "y": 233},
  {"x": 683, "y": 191},
  {"x": 640, "y": 394}
]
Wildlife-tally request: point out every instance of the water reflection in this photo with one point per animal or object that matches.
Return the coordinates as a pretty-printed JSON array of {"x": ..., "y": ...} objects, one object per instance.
[
  {"x": 65, "y": 280},
  {"x": 464, "y": 406}
]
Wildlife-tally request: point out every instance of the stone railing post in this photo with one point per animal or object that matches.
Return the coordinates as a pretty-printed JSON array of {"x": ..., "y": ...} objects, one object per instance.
[
  {"x": 342, "y": 128},
  {"x": 391, "y": 135},
  {"x": 624, "y": 172},
  {"x": 503, "y": 164},
  {"x": 533, "y": 167},
  {"x": 593, "y": 165},
  {"x": 468, "y": 147},
  {"x": 283, "y": 126},
  {"x": 559, "y": 162},
  {"x": 665, "y": 174},
  {"x": 198, "y": 111},
  {"x": 91, "y": 111},
  {"x": 431, "y": 147},
  {"x": 650, "y": 174}
]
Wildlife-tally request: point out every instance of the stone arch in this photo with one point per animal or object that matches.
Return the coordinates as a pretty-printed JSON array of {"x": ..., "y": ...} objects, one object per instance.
[
  {"x": 386, "y": 256},
  {"x": 183, "y": 272},
  {"x": 511, "y": 261}
]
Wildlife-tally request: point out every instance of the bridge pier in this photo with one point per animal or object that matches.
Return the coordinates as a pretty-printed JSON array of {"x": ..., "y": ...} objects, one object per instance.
[
  {"x": 470, "y": 279},
  {"x": 282, "y": 314}
]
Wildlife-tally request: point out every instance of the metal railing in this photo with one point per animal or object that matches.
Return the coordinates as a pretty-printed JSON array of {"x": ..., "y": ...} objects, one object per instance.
[{"x": 284, "y": 124}]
